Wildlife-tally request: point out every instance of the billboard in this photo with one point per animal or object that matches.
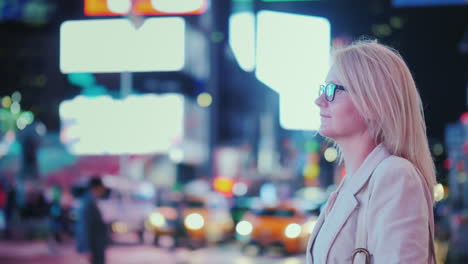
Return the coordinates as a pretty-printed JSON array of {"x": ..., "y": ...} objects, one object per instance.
[
  {"x": 292, "y": 58},
  {"x": 115, "y": 45},
  {"x": 134, "y": 125},
  {"x": 144, "y": 7}
]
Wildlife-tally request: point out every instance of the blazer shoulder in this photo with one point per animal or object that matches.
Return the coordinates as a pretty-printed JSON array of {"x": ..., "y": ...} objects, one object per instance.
[
  {"x": 396, "y": 166},
  {"x": 393, "y": 163}
]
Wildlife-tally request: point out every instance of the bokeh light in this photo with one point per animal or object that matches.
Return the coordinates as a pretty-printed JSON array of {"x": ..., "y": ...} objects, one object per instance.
[
  {"x": 439, "y": 192},
  {"x": 293, "y": 230},
  {"x": 6, "y": 102},
  {"x": 438, "y": 149},
  {"x": 16, "y": 96},
  {"x": 15, "y": 108},
  {"x": 244, "y": 228},
  {"x": 194, "y": 221},
  {"x": 204, "y": 99},
  {"x": 330, "y": 154},
  {"x": 239, "y": 189}
]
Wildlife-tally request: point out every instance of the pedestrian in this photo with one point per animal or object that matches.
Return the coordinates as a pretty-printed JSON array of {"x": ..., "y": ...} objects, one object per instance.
[
  {"x": 10, "y": 212},
  {"x": 180, "y": 231},
  {"x": 382, "y": 210},
  {"x": 91, "y": 234},
  {"x": 56, "y": 215}
]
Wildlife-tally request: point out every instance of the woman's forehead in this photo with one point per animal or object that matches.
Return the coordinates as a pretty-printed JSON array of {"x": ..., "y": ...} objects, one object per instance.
[{"x": 333, "y": 76}]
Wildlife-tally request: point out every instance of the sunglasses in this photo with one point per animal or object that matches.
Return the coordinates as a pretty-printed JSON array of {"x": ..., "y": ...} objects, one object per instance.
[{"x": 329, "y": 91}]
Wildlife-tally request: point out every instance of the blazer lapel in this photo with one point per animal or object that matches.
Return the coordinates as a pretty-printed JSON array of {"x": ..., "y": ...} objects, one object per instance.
[
  {"x": 362, "y": 175},
  {"x": 345, "y": 204},
  {"x": 317, "y": 227}
]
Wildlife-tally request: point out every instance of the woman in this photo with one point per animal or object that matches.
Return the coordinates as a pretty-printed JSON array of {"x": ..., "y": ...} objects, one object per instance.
[{"x": 372, "y": 110}]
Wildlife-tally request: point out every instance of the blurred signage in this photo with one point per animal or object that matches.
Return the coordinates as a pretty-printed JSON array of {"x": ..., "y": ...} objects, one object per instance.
[
  {"x": 115, "y": 45},
  {"x": 144, "y": 7},
  {"x": 242, "y": 39},
  {"x": 135, "y": 125},
  {"x": 228, "y": 162},
  {"x": 292, "y": 58},
  {"x": 28, "y": 11}
]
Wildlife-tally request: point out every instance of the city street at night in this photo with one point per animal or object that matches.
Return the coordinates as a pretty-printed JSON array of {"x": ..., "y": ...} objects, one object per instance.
[
  {"x": 38, "y": 252},
  {"x": 233, "y": 131}
]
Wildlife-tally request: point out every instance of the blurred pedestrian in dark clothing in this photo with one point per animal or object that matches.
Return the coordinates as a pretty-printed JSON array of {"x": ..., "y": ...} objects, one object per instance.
[
  {"x": 56, "y": 215},
  {"x": 91, "y": 233},
  {"x": 180, "y": 232},
  {"x": 10, "y": 207},
  {"x": 35, "y": 205},
  {"x": 34, "y": 212},
  {"x": 3, "y": 201}
]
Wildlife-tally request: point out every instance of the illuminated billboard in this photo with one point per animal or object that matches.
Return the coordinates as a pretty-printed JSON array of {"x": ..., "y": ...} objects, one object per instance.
[
  {"x": 135, "y": 125},
  {"x": 115, "y": 45},
  {"x": 292, "y": 51},
  {"x": 144, "y": 7},
  {"x": 242, "y": 39},
  {"x": 292, "y": 58},
  {"x": 138, "y": 124}
]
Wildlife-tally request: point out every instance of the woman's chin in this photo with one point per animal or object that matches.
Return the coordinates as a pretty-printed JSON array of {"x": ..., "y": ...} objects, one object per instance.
[{"x": 323, "y": 131}]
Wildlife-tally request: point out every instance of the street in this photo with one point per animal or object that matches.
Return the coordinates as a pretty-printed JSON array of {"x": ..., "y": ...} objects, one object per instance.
[{"x": 38, "y": 252}]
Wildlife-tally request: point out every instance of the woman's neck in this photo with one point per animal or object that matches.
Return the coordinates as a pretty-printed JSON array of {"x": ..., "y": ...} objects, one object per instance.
[{"x": 355, "y": 151}]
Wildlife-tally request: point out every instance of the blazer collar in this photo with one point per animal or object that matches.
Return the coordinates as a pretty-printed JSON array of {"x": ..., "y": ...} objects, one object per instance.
[{"x": 361, "y": 176}]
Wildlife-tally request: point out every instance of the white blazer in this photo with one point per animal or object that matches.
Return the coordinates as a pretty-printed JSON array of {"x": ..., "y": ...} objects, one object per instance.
[{"x": 399, "y": 221}]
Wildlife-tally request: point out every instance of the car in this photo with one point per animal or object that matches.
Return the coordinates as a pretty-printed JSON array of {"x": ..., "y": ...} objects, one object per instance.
[
  {"x": 280, "y": 229},
  {"x": 194, "y": 220}
]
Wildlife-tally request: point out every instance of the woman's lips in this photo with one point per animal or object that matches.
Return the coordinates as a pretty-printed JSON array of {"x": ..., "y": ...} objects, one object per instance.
[{"x": 325, "y": 116}]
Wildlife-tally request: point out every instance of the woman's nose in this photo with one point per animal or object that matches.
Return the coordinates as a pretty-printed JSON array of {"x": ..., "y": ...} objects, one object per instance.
[{"x": 320, "y": 101}]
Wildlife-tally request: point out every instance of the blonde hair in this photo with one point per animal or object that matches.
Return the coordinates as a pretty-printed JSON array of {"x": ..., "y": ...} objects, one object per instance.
[{"x": 385, "y": 94}]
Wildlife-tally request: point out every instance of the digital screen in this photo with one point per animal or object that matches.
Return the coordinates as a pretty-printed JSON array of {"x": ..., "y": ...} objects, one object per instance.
[
  {"x": 114, "y": 45},
  {"x": 292, "y": 58},
  {"x": 144, "y": 7},
  {"x": 134, "y": 125}
]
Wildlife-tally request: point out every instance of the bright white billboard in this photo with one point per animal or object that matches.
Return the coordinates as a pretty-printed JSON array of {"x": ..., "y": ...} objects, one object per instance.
[
  {"x": 292, "y": 50},
  {"x": 115, "y": 45},
  {"x": 298, "y": 111},
  {"x": 242, "y": 39},
  {"x": 136, "y": 125},
  {"x": 292, "y": 58}
]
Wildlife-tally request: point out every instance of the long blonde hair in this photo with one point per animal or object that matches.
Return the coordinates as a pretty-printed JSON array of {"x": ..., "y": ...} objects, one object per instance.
[{"x": 385, "y": 94}]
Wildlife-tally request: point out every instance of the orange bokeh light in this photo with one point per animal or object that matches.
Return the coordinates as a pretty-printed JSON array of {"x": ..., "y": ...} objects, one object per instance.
[
  {"x": 223, "y": 185},
  {"x": 140, "y": 7}
]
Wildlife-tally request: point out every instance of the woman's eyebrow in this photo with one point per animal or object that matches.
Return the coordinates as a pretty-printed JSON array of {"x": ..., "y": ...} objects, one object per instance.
[{"x": 334, "y": 82}]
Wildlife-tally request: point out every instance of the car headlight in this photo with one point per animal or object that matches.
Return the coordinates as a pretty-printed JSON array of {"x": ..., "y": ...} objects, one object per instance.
[
  {"x": 194, "y": 221},
  {"x": 244, "y": 228},
  {"x": 157, "y": 219},
  {"x": 292, "y": 230}
]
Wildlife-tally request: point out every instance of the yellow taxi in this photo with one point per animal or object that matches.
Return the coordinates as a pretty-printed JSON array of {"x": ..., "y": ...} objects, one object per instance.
[
  {"x": 282, "y": 228},
  {"x": 194, "y": 220}
]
